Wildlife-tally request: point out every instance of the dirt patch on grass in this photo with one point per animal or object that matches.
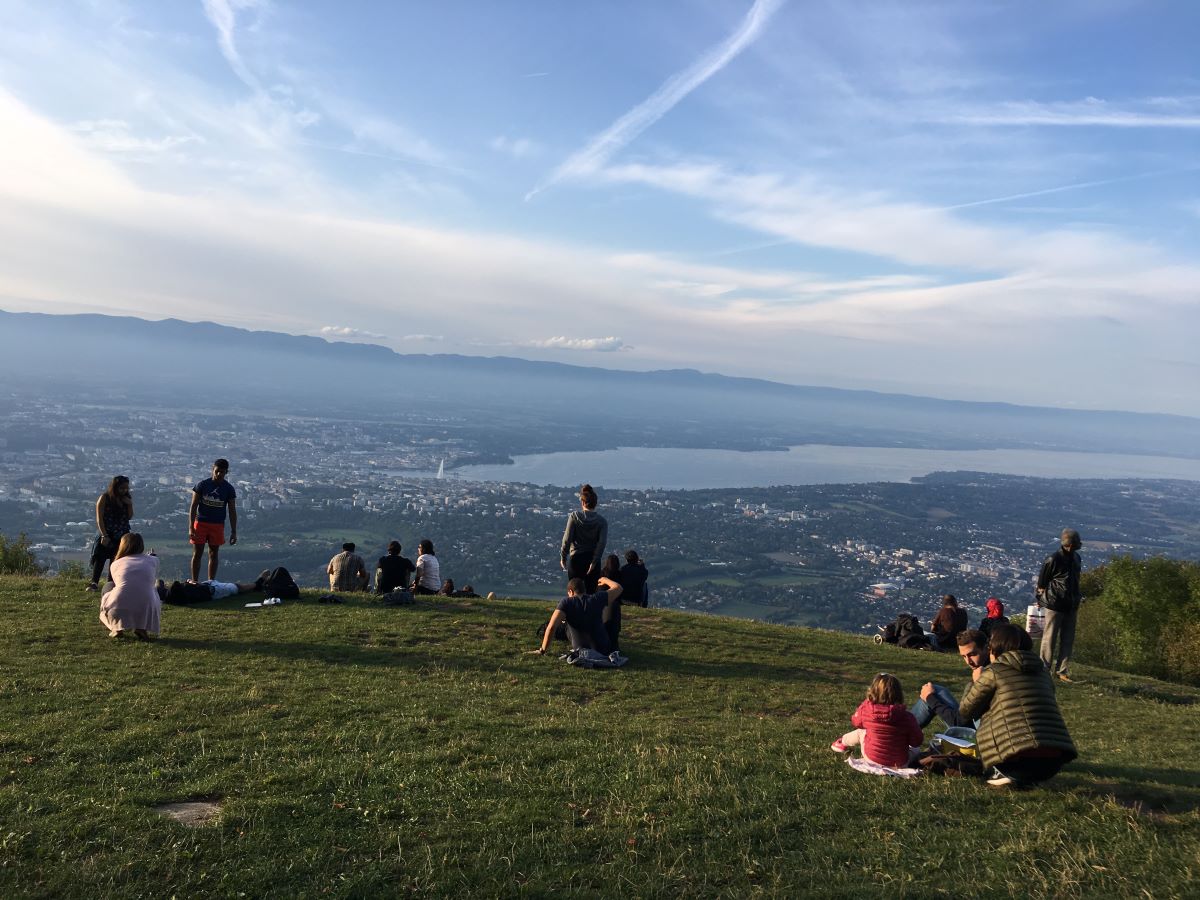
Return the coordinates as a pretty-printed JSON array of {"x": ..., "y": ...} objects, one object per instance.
[{"x": 191, "y": 813}]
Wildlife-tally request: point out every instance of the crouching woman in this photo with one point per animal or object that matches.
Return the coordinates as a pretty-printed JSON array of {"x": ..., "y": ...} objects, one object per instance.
[
  {"x": 1022, "y": 735},
  {"x": 132, "y": 603}
]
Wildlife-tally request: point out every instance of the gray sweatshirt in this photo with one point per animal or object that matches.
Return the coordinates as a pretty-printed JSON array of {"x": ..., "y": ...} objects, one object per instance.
[{"x": 587, "y": 532}]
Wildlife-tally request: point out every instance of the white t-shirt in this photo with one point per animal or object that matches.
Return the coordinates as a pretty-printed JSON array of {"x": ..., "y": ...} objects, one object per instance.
[{"x": 429, "y": 573}]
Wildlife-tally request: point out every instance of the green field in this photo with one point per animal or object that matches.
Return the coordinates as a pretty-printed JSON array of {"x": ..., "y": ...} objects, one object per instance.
[{"x": 364, "y": 751}]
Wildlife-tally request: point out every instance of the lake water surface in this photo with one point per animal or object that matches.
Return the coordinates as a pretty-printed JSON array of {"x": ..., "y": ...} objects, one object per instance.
[{"x": 689, "y": 469}]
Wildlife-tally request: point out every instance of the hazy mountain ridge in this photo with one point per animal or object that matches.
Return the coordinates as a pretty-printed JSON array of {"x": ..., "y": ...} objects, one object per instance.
[{"x": 153, "y": 361}]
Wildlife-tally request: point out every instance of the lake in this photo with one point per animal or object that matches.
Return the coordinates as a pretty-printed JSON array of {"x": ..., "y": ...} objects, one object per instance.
[{"x": 689, "y": 469}]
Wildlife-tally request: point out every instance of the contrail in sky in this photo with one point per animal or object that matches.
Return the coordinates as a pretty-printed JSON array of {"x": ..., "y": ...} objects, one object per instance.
[
  {"x": 588, "y": 159},
  {"x": 1067, "y": 187}
]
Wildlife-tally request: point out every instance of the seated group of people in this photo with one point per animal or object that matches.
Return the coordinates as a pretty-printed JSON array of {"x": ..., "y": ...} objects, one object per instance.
[
  {"x": 591, "y": 615},
  {"x": 347, "y": 572},
  {"x": 1021, "y": 735},
  {"x": 951, "y": 619}
]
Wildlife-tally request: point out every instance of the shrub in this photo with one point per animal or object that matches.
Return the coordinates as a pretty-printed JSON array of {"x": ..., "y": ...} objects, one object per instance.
[
  {"x": 73, "y": 569},
  {"x": 16, "y": 558},
  {"x": 1145, "y": 618}
]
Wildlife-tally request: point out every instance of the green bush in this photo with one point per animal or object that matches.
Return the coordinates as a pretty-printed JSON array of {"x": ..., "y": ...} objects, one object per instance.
[
  {"x": 1142, "y": 616},
  {"x": 16, "y": 558},
  {"x": 73, "y": 570}
]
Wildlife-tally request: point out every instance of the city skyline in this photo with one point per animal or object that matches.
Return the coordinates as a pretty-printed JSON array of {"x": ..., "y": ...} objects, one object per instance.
[{"x": 950, "y": 200}]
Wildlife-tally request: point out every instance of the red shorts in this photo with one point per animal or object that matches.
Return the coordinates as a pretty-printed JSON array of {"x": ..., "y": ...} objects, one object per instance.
[{"x": 211, "y": 533}]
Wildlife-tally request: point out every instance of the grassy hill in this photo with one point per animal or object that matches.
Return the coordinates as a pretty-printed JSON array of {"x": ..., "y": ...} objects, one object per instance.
[{"x": 358, "y": 750}]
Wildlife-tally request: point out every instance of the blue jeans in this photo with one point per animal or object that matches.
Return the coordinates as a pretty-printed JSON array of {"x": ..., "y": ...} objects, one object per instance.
[{"x": 922, "y": 712}]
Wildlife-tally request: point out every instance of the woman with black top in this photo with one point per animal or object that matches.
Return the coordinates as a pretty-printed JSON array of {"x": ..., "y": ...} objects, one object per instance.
[
  {"x": 114, "y": 509},
  {"x": 612, "y": 613}
]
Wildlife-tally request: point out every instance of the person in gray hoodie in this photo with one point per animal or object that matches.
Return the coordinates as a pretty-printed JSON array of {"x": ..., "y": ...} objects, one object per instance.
[{"x": 584, "y": 539}]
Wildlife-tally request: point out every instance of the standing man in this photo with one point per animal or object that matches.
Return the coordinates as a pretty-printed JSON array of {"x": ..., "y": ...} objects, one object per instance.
[
  {"x": 1058, "y": 592},
  {"x": 206, "y": 518}
]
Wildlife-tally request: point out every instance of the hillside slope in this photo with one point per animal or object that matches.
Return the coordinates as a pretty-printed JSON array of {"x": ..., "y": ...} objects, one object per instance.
[{"x": 358, "y": 750}]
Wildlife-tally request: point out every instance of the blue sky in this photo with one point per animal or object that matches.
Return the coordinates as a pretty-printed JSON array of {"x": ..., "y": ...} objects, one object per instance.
[{"x": 977, "y": 200}]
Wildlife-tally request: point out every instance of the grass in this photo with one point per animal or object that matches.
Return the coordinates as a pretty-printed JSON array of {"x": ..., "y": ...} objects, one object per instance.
[{"x": 363, "y": 751}]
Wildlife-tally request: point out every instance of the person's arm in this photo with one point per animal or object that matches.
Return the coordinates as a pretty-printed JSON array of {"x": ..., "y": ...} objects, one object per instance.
[
  {"x": 378, "y": 579},
  {"x": 129, "y": 506},
  {"x": 1044, "y": 575},
  {"x": 329, "y": 568},
  {"x": 916, "y": 737},
  {"x": 978, "y": 698},
  {"x": 100, "y": 518},
  {"x": 856, "y": 717},
  {"x": 232, "y": 521},
  {"x": 566, "y": 543},
  {"x": 192, "y": 515},
  {"x": 614, "y": 589},
  {"x": 418, "y": 571},
  {"x": 548, "y": 635}
]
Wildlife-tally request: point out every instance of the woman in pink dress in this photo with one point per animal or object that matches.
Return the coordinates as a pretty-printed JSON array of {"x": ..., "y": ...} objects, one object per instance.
[{"x": 133, "y": 603}]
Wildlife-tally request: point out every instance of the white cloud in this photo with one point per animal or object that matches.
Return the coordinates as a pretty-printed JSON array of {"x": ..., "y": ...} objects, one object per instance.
[
  {"x": 424, "y": 338},
  {"x": 600, "y": 344},
  {"x": 518, "y": 148},
  {"x": 345, "y": 331},
  {"x": 115, "y": 136},
  {"x": 593, "y": 155},
  {"x": 1090, "y": 112}
]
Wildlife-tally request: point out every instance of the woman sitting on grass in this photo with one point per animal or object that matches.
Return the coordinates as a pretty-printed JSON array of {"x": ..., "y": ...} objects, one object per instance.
[
  {"x": 887, "y": 732},
  {"x": 428, "y": 577},
  {"x": 1022, "y": 733},
  {"x": 949, "y": 621},
  {"x": 132, "y": 602}
]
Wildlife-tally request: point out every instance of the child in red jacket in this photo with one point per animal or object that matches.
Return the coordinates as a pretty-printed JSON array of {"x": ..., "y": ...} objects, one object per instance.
[{"x": 887, "y": 732}]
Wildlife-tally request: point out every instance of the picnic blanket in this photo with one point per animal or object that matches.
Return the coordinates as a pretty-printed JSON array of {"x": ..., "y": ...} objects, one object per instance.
[
  {"x": 592, "y": 659},
  {"x": 869, "y": 768}
]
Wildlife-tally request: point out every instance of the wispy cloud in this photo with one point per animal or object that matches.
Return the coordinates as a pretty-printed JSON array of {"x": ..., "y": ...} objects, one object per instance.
[
  {"x": 1090, "y": 112},
  {"x": 345, "y": 331},
  {"x": 223, "y": 15},
  {"x": 115, "y": 136},
  {"x": 598, "y": 344},
  {"x": 1079, "y": 185},
  {"x": 424, "y": 338},
  {"x": 593, "y": 155},
  {"x": 518, "y": 148}
]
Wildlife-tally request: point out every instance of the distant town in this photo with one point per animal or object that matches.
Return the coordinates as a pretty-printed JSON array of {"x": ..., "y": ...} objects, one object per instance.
[{"x": 838, "y": 556}]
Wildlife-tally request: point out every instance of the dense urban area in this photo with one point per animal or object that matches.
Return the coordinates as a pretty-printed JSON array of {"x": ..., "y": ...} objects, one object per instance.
[{"x": 839, "y": 556}]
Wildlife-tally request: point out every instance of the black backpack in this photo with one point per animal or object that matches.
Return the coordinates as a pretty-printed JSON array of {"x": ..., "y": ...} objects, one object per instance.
[{"x": 278, "y": 582}]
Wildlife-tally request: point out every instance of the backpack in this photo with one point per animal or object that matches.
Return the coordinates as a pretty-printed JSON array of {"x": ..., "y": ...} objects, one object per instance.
[
  {"x": 278, "y": 582},
  {"x": 180, "y": 593}
]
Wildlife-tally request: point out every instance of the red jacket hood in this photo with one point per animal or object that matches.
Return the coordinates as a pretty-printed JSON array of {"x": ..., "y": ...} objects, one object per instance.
[
  {"x": 995, "y": 608},
  {"x": 882, "y": 713}
]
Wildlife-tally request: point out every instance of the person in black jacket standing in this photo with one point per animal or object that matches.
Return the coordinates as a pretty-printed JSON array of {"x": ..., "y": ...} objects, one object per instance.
[{"x": 1058, "y": 592}]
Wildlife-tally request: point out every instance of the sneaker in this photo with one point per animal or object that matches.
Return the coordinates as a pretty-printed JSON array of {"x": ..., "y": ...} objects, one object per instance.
[
  {"x": 92, "y": 587},
  {"x": 1063, "y": 676},
  {"x": 999, "y": 779},
  {"x": 838, "y": 747}
]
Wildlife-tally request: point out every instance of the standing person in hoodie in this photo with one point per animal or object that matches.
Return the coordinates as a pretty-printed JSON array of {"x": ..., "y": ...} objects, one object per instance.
[
  {"x": 1058, "y": 592},
  {"x": 887, "y": 732},
  {"x": 583, "y": 540}
]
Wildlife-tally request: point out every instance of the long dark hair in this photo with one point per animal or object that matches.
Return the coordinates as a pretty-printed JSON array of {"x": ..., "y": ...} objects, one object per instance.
[
  {"x": 612, "y": 567},
  {"x": 111, "y": 497},
  {"x": 426, "y": 546}
]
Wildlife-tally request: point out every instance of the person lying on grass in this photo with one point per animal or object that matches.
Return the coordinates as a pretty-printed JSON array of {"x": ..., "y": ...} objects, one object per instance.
[
  {"x": 936, "y": 699},
  {"x": 886, "y": 731},
  {"x": 1021, "y": 733},
  {"x": 584, "y": 615}
]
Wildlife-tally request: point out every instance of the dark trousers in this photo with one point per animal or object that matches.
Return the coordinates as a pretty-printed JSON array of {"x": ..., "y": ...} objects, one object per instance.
[
  {"x": 102, "y": 553},
  {"x": 612, "y": 623},
  {"x": 580, "y": 640},
  {"x": 577, "y": 567}
]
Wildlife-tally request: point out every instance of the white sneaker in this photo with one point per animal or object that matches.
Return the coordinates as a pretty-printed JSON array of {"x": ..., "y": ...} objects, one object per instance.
[{"x": 999, "y": 779}]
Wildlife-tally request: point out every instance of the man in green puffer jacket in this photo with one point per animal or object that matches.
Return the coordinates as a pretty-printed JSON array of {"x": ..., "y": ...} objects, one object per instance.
[{"x": 1022, "y": 733}]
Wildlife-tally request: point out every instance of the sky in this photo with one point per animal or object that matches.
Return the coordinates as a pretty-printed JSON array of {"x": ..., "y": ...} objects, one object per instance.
[{"x": 970, "y": 199}]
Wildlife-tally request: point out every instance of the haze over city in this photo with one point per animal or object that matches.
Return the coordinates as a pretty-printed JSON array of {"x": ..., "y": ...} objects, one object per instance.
[{"x": 971, "y": 201}]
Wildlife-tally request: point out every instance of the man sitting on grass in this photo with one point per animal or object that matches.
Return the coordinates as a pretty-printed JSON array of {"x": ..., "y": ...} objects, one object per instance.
[
  {"x": 584, "y": 614},
  {"x": 936, "y": 699}
]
